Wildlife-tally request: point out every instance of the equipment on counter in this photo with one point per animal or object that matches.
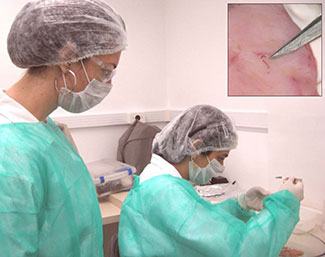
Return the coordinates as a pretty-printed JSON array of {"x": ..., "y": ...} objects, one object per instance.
[{"x": 111, "y": 176}]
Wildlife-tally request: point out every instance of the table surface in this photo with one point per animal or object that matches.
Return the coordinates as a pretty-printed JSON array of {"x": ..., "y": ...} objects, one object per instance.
[{"x": 111, "y": 206}]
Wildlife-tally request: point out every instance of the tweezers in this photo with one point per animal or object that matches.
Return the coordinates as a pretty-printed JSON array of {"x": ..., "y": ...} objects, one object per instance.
[{"x": 309, "y": 33}]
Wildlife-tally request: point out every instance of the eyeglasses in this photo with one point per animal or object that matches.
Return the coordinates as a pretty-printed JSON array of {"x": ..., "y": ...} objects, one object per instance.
[{"x": 108, "y": 73}]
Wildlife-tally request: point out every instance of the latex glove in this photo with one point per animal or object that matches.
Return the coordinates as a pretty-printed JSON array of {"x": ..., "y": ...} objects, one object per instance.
[
  {"x": 64, "y": 128},
  {"x": 295, "y": 187},
  {"x": 253, "y": 198}
]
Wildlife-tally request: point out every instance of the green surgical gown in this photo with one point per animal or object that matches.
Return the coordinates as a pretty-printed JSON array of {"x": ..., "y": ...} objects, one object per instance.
[
  {"x": 48, "y": 204},
  {"x": 164, "y": 216}
]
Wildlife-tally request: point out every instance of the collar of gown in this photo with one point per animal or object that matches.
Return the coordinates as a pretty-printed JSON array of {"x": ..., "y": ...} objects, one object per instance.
[
  {"x": 11, "y": 111},
  {"x": 158, "y": 166}
]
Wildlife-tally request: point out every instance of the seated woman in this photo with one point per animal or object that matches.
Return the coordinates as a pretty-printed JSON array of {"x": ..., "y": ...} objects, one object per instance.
[{"x": 164, "y": 216}]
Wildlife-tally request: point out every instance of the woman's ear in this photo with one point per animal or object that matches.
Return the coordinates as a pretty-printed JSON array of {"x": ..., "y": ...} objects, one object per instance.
[
  {"x": 64, "y": 68},
  {"x": 194, "y": 147},
  {"x": 68, "y": 52},
  {"x": 194, "y": 157}
]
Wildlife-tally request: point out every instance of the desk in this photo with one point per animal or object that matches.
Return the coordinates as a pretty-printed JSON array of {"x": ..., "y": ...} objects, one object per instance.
[{"x": 111, "y": 206}]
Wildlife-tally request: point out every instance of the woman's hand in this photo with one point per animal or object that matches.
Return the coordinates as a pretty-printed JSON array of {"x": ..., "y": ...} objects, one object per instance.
[{"x": 253, "y": 199}]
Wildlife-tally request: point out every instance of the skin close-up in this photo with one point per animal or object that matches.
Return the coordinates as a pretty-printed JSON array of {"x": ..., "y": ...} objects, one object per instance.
[{"x": 255, "y": 32}]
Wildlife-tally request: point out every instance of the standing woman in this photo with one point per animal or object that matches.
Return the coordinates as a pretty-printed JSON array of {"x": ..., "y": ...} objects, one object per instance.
[{"x": 48, "y": 203}]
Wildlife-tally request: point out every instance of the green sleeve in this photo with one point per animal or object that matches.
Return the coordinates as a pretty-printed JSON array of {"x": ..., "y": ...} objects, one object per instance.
[
  {"x": 232, "y": 206},
  {"x": 168, "y": 214},
  {"x": 262, "y": 235},
  {"x": 19, "y": 217}
]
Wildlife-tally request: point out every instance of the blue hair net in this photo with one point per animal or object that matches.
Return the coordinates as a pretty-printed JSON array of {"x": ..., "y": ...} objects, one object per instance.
[
  {"x": 212, "y": 127},
  {"x": 53, "y": 32}
]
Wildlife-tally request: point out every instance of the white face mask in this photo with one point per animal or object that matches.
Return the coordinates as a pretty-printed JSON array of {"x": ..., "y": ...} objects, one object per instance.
[
  {"x": 92, "y": 95},
  {"x": 82, "y": 101}
]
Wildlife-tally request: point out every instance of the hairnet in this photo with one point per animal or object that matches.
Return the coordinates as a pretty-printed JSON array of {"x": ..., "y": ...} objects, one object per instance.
[
  {"x": 52, "y": 32},
  {"x": 211, "y": 126}
]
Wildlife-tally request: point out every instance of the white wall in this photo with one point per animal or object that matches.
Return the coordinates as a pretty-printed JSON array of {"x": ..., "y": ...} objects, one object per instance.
[
  {"x": 196, "y": 61},
  {"x": 99, "y": 143},
  {"x": 8, "y": 72},
  {"x": 176, "y": 58}
]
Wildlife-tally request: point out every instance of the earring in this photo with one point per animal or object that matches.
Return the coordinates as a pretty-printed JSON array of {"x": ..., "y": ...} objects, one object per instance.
[{"x": 65, "y": 83}]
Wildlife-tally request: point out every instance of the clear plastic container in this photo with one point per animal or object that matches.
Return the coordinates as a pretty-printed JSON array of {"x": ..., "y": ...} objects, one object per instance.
[{"x": 111, "y": 176}]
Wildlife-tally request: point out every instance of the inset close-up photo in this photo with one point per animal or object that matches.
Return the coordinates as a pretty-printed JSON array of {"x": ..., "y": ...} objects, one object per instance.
[{"x": 274, "y": 49}]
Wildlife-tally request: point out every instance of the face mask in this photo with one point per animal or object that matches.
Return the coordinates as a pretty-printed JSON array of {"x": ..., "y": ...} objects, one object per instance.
[
  {"x": 82, "y": 101},
  {"x": 202, "y": 176},
  {"x": 92, "y": 95}
]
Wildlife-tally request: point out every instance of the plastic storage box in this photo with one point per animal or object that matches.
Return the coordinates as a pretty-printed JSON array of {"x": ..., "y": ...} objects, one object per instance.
[{"x": 111, "y": 176}]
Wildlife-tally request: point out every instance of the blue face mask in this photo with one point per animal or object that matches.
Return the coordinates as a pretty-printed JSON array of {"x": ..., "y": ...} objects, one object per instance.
[{"x": 201, "y": 176}]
